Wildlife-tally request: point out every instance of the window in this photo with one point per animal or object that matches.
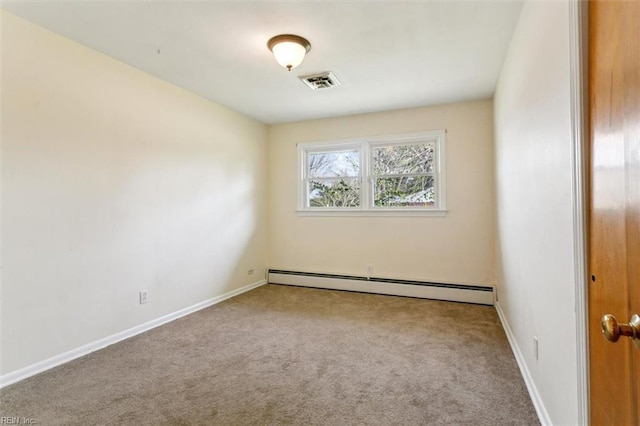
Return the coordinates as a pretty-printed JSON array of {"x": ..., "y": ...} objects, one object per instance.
[
  {"x": 400, "y": 174},
  {"x": 333, "y": 177}
]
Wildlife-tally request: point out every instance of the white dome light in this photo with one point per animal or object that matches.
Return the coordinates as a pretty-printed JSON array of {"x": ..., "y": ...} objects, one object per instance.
[{"x": 289, "y": 49}]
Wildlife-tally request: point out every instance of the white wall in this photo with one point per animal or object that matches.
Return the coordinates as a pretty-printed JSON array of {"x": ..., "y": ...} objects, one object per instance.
[
  {"x": 458, "y": 248},
  {"x": 115, "y": 181},
  {"x": 534, "y": 210}
]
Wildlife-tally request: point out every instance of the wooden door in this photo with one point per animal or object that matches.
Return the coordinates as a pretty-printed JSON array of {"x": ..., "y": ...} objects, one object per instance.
[{"x": 614, "y": 216}]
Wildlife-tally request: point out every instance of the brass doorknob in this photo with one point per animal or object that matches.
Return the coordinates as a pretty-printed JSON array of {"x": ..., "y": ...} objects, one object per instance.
[{"x": 612, "y": 330}]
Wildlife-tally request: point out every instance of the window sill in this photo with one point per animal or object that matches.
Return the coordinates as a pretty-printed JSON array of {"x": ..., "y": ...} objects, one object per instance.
[{"x": 376, "y": 212}]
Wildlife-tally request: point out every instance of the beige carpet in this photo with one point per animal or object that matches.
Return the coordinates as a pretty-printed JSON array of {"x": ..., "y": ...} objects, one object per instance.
[{"x": 293, "y": 356}]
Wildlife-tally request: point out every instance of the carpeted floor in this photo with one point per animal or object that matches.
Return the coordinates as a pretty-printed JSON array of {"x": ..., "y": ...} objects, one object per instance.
[{"x": 283, "y": 355}]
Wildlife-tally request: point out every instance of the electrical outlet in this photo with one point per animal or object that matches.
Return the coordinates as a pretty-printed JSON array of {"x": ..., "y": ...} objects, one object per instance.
[
  {"x": 144, "y": 296},
  {"x": 535, "y": 347},
  {"x": 250, "y": 271}
]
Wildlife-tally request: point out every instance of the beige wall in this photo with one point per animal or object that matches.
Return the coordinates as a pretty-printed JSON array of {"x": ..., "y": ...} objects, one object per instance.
[
  {"x": 115, "y": 181},
  {"x": 458, "y": 248},
  {"x": 536, "y": 280}
]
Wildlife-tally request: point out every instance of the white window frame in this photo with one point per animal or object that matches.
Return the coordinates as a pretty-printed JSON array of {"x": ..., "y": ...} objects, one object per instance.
[{"x": 365, "y": 145}]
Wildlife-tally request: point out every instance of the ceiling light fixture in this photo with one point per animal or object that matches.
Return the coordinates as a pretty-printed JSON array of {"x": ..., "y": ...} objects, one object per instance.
[{"x": 289, "y": 49}]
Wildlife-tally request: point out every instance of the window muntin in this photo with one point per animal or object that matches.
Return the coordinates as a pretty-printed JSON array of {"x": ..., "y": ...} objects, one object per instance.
[{"x": 399, "y": 173}]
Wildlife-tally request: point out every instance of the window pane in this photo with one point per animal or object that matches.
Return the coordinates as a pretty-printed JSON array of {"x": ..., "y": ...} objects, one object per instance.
[
  {"x": 403, "y": 159},
  {"x": 334, "y": 193},
  {"x": 409, "y": 191},
  {"x": 334, "y": 163}
]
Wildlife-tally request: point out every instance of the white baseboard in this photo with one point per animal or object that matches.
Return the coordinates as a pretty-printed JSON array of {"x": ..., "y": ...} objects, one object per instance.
[
  {"x": 543, "y": 416},
  {"x": 65, "y": 357}
]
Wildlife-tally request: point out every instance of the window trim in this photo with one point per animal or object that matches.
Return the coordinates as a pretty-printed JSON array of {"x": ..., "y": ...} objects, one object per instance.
[{"x": 364, "y": 146}]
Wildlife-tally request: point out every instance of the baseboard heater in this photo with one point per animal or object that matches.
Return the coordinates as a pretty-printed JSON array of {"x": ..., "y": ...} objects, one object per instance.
[{"x": 427, "y": 290}]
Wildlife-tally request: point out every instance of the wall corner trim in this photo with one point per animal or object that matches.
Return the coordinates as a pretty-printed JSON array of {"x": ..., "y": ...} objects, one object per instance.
[
  {"x": 63, "y": 358},
  {"x": 578, "y": 50},
  {"x": 543, "y": 416}
]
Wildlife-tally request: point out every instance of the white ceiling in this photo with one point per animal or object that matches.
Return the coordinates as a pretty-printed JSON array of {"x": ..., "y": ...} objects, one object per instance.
[{"x": 387, "y": 54}]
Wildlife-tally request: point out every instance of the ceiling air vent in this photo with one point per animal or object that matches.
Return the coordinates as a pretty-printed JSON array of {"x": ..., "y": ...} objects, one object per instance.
[{"x": 324, "y": 80}]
